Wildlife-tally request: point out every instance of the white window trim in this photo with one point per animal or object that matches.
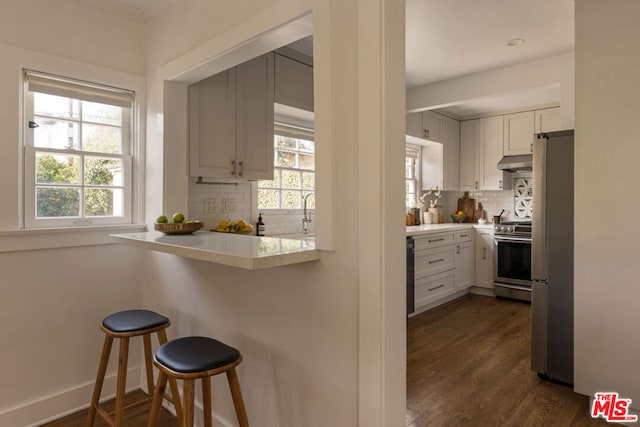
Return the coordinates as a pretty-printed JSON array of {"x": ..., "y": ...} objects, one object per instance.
[
  {"x": 134, "y": 176},
  {"x": 294, "y": 131},
  {"x": 418, "y": 171}
]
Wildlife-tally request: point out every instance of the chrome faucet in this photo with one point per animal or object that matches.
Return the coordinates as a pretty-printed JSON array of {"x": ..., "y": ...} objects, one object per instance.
[{"x": 306, "y": 219}]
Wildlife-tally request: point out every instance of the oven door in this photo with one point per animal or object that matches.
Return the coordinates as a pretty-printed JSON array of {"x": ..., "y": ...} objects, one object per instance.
[{"x": 512, "y": 257}]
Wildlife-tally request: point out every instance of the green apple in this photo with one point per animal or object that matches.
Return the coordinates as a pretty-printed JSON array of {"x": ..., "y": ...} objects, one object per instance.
[
  {"x": 178, "y": 218},
  {"x": 162, "y": 219}
]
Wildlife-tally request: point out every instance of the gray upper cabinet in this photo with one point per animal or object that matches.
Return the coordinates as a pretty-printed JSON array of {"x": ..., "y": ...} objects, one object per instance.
[
  {"x": 231, "y": 122},
  {"x": 294, "y": 83}
]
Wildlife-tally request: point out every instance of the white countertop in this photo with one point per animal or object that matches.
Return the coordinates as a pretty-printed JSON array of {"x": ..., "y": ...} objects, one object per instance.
[
  {"x": 415, "y": 230},
  {"x": 248, "y": 252}
]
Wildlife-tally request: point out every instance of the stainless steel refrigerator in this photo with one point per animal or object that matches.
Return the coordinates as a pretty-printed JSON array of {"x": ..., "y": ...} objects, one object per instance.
[{"x": 552, "y": 257}]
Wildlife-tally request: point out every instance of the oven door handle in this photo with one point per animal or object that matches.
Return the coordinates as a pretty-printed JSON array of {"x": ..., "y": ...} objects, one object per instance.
[{"x": 512, "y": 239}]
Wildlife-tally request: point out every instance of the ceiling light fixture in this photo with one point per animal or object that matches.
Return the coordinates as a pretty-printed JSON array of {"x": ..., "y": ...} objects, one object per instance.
[{"x": 515, "y": 42}]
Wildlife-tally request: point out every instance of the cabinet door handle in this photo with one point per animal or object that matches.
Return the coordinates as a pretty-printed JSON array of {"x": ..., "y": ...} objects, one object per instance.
[
  {"x": 531, "y": 148},
  {"x": 240, "y": 163},
  {"x": 425, "y": 133},
  {"x": 436, "y": 240},
  {"x": 484, "y": 253},
  {"x": 500, "y": 184},
  {"x": 476, "y": 185},
  {"x": 437, "y": 260},
  {"x": 233, "y": 167},
  {"x": 436, "y": 287},
  {"x": 458, "y": 249}
]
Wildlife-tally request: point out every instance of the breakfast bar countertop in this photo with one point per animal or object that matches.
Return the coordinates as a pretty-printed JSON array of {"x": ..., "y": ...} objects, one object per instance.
[{"x": 242, "y": 251}]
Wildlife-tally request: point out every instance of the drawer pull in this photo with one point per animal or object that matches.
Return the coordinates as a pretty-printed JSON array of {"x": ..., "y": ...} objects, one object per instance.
[
  {"x": 437, "y": 260},
  {"x": 464, "y": 235},
  {"x": 436, "y": 287},
  {"x": 436, "y": 240}
]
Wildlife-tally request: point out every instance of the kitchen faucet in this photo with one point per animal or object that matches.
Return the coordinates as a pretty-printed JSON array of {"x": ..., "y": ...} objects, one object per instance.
[{"x": 306, "y": 219}]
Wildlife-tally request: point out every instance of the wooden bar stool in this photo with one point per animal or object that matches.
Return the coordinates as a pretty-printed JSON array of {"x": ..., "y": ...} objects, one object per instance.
[
  {"x": 124, "y": 325},
  {"x": 188, "y": 359}
]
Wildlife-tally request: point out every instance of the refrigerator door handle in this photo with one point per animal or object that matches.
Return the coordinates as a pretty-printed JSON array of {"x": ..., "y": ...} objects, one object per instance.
[{"x": 538, "y": 253}]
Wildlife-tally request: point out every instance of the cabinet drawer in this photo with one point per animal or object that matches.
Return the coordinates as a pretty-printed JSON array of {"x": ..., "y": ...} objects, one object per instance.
[
  {"x": 464, "y": 235},
  {"x": 434, "y": 240},
  {"x": 433, "y": 287},
  {"x": 431, "y": 261}
]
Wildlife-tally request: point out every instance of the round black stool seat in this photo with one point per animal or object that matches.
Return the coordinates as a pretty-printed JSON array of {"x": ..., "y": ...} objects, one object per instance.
[
  {"x": 133, "y": 320},
  {"x": 195, "y": 354}
]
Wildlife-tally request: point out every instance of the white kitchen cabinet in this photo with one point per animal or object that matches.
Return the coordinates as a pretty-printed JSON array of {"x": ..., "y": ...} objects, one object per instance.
[
  {"x": 231, "y": 122},
  {"x": 463, "y": 260},
  {"x": 484, "y": 258},
  {"x": 429, "y": 289},
  {"x": 451, "y": 154},
  {"x": 443, "y": 267},
  {"x": 548, "y": 120},
  {"x": 426, "y": 125},
  {"x": 293, "y": 83},
  {"x": 519, "y": 129},
  {"x": 481, "y": 146},
  {"x": 432, "y": 165}
]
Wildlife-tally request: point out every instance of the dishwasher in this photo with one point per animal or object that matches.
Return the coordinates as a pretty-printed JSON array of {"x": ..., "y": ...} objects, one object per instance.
[{"x": 410, "y": 275}]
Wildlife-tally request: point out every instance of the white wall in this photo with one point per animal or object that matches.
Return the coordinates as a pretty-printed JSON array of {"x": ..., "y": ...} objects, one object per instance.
[
  {"x": 52, "y": 300},
  {"x": 311, "y": 334},
  {"x": 607, "y": 347}
]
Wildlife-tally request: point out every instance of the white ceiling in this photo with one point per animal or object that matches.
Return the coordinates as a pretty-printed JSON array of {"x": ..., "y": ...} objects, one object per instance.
[{"x": 452, "y": 38}]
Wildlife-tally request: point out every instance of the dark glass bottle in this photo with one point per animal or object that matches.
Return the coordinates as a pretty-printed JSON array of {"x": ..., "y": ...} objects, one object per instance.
[{"x": 260, "y": 226}]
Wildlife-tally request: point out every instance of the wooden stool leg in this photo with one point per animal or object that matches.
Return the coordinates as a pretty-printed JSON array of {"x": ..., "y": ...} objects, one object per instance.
[
  {"x": 206, "y": 401},
  {"x": 146, "y": 339},
  {"x": 236, "y": 394},
  {"x": 158, "y": 397},
  {"x": 122, "y": 381},
  {"x": 173, "y": 384},
  {"x": 187, "y": 408},
  {"x": 102, "y": 369}
]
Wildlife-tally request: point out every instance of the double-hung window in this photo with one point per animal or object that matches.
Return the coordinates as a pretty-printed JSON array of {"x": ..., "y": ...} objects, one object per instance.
[
  {"x": 294, "y": 171},
  {"x": 77, "y": 152},
  {"x": 411, "y": 174}
]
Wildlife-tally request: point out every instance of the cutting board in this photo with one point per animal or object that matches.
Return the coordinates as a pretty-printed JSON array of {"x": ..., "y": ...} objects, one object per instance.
[{"x": 468, "y": 206}]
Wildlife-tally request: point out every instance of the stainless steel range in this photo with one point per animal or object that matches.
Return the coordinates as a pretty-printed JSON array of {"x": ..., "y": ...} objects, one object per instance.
[{"x": 512, "y": 255}]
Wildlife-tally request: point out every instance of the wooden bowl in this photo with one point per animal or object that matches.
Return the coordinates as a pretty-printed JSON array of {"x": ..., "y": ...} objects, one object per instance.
[{"x": 173, "y": 228}]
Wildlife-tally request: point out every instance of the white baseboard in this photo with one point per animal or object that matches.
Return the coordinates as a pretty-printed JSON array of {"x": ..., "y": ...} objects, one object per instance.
[{"x": 65, "y": 402}]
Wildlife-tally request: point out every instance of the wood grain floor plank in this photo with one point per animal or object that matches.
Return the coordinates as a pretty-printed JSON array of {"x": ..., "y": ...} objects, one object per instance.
[{"x": 468, "y": 365}]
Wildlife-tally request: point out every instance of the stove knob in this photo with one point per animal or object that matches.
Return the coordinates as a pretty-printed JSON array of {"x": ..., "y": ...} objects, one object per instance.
[{"x": 510, "y": 229}]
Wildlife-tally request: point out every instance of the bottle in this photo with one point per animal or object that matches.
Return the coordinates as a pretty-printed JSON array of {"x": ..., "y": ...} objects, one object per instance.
[
  {"x": 480, "y": 213},
  {"x": 260, "y": 226}
]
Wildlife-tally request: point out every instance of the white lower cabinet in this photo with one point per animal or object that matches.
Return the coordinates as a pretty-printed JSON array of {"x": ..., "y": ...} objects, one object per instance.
[
  {"x": 443, "y": 267},
  {"x": 484, "y": 258},
  {"x": 463, "y": 265},
  {"x": 431, "y": 288}
]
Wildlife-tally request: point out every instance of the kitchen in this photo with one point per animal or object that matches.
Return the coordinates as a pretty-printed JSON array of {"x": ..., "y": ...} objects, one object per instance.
[{"x": 328, "y": 288}]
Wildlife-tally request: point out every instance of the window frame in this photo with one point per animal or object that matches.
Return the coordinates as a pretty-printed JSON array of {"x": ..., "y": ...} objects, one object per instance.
[
  {"x": 292, "y": 131},
  {"x": 94, "y": 92},
  {"x": 409, "y": 148}
]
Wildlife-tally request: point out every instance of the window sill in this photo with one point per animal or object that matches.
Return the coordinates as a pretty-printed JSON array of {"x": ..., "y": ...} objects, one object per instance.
[{"x": 54, "y": 238}]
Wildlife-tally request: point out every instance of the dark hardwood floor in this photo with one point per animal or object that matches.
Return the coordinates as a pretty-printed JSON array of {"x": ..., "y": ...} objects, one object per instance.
[
  {"x": 468, "y": 365},
  {"x": 135, "y": 418}
]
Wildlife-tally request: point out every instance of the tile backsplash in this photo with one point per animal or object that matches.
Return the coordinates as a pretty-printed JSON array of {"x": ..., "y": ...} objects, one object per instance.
[
  {"x": 212, "y": 203},
  {"x": 516, "y": 202}
]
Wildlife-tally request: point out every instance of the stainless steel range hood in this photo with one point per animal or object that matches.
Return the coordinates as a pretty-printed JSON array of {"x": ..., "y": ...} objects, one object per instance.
[{"x": 516, "y": 163}]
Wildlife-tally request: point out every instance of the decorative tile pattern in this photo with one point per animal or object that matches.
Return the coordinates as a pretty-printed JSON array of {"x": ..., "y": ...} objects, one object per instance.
[{"x": 523, "y": 197}]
